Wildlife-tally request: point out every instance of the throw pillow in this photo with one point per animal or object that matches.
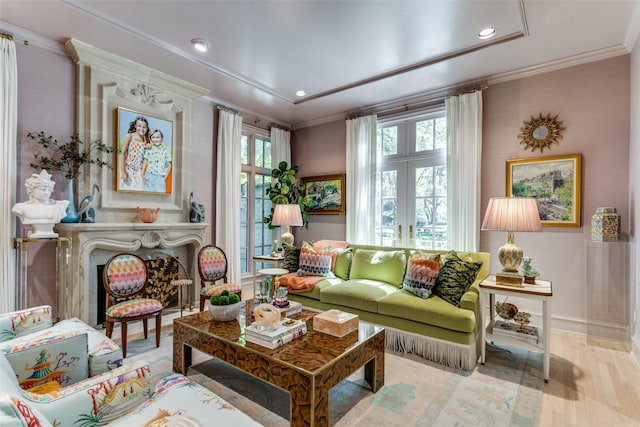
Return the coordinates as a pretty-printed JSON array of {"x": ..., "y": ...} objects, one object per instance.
[
  {"x": 291, "y": 257},
  {"x": 314, "y": 262},
  {"x": 422, "y": 274},
  {"x": 383, "y": 266},
  {"x": 343, "y": 263},
  {"x": 455, "y": 278}
]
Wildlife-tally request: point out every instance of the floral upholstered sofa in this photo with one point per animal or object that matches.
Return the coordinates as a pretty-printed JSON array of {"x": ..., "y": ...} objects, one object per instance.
[{"x": 428, "y": 301}]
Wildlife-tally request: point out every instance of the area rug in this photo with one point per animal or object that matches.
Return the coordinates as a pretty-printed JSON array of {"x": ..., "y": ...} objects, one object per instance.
[{"x": 506, "y": 391}]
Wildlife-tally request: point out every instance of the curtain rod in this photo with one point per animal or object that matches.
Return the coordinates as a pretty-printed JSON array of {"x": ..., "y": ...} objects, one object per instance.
[
  {"x": 427, "y": 102},
  {"x": 10, "y": 37},
  {"x": 277, "y": 126},
  {"x": 230, "y": 110}
]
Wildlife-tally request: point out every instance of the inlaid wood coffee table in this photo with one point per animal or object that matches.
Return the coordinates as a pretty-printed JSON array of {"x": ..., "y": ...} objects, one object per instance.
[{"x": 307, "y": 367}]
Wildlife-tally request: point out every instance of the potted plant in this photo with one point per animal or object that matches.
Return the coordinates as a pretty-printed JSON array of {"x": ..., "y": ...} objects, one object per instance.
[
  {"x": 68, "y": 157},
  {"x": 284, "y": 189}
]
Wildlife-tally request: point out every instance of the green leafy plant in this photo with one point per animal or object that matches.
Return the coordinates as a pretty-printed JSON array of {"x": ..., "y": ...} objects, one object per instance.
[
  {"x": 284, "y": 189},
  {"x": 67, "y": 157}
]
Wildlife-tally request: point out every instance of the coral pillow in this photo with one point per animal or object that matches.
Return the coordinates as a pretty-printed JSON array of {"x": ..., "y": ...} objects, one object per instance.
[
  {"x": 422, "y": 274},
  {"x": 334, "y": 244},
  {"x": 314, "y": 262}
]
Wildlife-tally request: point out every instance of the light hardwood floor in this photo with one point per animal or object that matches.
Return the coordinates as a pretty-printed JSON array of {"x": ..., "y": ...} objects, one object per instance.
[{"x": 592, "y": 383}]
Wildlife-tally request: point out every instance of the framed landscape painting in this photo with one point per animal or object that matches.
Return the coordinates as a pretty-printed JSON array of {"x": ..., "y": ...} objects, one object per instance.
[
  {"x": 555, "y": 183},
  {"x": 327, "y": 194},
  {"x": 144, "y": 155}
]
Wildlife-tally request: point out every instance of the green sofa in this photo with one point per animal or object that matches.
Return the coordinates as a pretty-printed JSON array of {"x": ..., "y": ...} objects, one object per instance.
[{"x": 369, "y": 284}]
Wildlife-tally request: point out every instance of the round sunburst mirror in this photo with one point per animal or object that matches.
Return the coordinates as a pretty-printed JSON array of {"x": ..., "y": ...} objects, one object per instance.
[{"x": 540, "y": 132}]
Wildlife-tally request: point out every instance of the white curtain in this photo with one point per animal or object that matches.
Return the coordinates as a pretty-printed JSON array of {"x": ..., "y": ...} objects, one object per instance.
[
  {"x": 8, "y": 126},
  {"x": 228, "y": 191},
  {"x": 464, "y": 155},
  {"x": 280, "y": 147},
  {"x": 361, "y": 179}
]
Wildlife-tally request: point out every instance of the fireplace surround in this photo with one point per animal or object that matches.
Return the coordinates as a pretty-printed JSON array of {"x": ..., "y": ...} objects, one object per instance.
[{"x": 93, "y": 244}]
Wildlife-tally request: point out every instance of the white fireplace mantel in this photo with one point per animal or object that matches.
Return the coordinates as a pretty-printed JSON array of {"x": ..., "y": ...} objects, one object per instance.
[{"x": 81, "y": 290}]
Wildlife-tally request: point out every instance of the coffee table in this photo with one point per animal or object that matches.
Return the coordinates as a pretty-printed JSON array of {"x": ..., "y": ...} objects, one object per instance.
[{"x": 307, "y": 367}]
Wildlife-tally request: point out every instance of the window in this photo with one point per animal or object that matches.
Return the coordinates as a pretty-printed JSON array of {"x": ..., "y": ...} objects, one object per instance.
[
  {"x": 255, "y": 236},
  {"x": 411, "y": 182}
]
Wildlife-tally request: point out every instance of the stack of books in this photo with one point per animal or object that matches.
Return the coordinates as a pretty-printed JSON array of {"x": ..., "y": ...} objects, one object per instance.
[
  {"x": 526, "y": 333},
  {"x": 290, "y": 310},
  {"x": 287, "y": 330}
]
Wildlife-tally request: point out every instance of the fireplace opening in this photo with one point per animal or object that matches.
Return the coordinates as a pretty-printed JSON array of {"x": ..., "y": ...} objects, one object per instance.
[{"x": 162, "y": 269}]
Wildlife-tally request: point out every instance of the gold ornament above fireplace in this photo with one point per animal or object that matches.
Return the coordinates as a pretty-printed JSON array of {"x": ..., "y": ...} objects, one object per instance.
[{"x": 540, "y": 132}]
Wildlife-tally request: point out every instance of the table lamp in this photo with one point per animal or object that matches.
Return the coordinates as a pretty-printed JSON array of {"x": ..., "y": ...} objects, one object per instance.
[
  {"x": 511, "y": 214},
  {"x": 287, "y": 215}
]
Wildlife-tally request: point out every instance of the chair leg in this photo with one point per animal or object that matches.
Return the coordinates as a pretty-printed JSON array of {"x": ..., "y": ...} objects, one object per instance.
[
  {"x": 145, "y": 326},
  {"x": 202, "y": 302},
  {"x": 109, "y": 328},
  {"x": 158, "y": 328},
  {"x": 123, "y": 330}
]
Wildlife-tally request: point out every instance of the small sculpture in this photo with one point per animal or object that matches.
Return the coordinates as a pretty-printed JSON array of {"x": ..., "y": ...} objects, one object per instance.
[
  {"x": 86, "y": 206},
  {"x": 522, "y": 319},
  {"x": 529, "y": 272},
  {"x": 506, "y": 310},
  {"x": 196, "y": 210},
  {"x": 40, "y": 211},
  {"x": 147, "y": 215},
  {"x": 267, "y": 317}
]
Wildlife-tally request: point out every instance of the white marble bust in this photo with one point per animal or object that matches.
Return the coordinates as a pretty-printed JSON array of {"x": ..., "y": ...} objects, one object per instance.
[{"x": 40, "y": 211}]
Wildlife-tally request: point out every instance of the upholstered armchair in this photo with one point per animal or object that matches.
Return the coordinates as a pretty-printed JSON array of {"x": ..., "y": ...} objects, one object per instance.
[
  {"x": 121, "y": 397},
  {"x": 212, "y": 268},
  {"x": 19, "y": 328}
]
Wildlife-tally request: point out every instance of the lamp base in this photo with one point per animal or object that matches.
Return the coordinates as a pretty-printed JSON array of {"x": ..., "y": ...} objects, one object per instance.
[{"x": 510, "y": 256}]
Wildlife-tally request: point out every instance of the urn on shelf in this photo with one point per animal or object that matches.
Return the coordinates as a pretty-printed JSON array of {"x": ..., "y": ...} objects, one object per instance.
[{"x": 605, "y": 225}]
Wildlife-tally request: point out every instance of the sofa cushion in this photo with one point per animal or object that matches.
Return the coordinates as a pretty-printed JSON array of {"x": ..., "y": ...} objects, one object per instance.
[
  {"x": 314, "y": 262},
  {"x": 314, "y": 293},
  {"x": 432, "y": 311},
  {"x": 383, "y": 266},
  {"x": 456, "y": 276},
  {"x": 342, "y": 267},
  {"x": 362, "y": 294},
  {"x": 291, "y": 257},
  {"x": 422, "y": 273},
  {"x": 23, "y": 322},
  {"x": 16, "y": 412}
]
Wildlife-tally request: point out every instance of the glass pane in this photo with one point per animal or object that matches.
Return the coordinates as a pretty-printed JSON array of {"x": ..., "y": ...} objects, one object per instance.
[
  {"x": 244, "y": 206},
  {"x": 389, "y": 184},
  {"x": 244, "y": 264},
  {"x": 440, "y": 180},
  {"x": 440, "y": 206},
  {"x": 259, "y": 213},
  {"x": 424, "y": 182},
  {"x": 244, "y": 150},
  {"x": 441, "y": 132},
  {"x": 258, "y": 238},
  {"x": 244, "y": 177},
  {"x": 243, "y": 235},
  {"x": 387, "y": 141},
  {"x": 424, "y": 135},
  {"x": 259, "y": 153},
  {"x": 389, "y": 212},
  {"x": 267, "y": 154}
]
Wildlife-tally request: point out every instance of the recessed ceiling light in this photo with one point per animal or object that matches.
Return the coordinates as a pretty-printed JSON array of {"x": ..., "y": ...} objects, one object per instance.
[
  {"x": 201, "y": 45},
  {"x": 487, "y": 33},
  {"x": 300, "y": 93}
]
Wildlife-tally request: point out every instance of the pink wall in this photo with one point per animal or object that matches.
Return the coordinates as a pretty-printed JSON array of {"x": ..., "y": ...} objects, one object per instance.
[
  {"x": 634, "y": 193},
  {"x": 320, "y": 150},
  {"x": 592, "y": 101}
]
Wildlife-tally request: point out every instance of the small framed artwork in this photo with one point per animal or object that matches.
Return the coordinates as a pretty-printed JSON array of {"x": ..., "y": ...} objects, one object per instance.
[
  {"x": 327, "y": 194},
  {"x": 144, "y": 155},
  {"x": 555, "y": 182}
]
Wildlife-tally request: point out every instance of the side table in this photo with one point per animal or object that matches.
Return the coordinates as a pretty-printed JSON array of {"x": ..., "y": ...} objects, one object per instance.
[
  {"x": 264, "y": 259},
  {"x": 274, "y": 273},
  {"x": 542, "y": 291}
]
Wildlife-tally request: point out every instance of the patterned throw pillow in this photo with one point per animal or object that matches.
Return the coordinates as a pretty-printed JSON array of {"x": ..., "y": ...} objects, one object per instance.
[
  {"x": 456, "y": 276},
  {"x": 314, "y": 262},
  {"x": 291, "y": 257},
  {"x": 422, "y": 274}
]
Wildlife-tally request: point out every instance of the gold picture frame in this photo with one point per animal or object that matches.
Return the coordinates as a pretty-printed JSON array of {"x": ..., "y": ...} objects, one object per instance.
[
  {"x": 327, "y": 194},
  {"x": 556, "y": 184}
]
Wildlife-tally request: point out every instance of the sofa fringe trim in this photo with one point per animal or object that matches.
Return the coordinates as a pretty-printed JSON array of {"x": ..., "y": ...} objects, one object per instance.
[{"x": 455, "y": 355}]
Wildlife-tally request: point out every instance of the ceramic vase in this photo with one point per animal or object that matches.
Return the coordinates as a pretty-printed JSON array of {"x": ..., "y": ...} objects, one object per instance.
[
  {"x": 72, "y": 213},
  {"x": 605, "y": 225}
]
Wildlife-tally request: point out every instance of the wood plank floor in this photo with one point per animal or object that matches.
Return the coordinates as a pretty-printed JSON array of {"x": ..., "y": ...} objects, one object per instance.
[{"x": 592, "y": 383}]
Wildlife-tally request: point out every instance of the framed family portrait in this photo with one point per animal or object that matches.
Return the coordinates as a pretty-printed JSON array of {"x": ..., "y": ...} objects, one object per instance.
[
  {"x": 327, "y": 194},
  {"x": 555, "y": 182},
  {"x": 144, "y": 155}
]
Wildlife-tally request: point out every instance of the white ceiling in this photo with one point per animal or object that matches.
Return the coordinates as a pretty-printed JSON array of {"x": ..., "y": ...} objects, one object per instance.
[{"x": 347, "y": 55}]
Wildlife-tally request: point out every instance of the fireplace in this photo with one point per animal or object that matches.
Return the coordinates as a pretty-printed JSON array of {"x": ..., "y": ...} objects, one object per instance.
[{"x": 93, "y": 244}]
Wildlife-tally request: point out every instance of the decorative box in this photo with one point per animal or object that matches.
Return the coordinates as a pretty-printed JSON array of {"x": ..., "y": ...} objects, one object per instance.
[
  {"x": 605, "y": 225},
  {"x": 505, "y": 278},
  {"x": 335, "y": 322}
]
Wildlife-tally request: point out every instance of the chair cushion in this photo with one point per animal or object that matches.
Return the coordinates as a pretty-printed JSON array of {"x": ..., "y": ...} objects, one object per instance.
[
  {"x": 134, "y": 307},
  {"x": 211, "y": 290}
]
